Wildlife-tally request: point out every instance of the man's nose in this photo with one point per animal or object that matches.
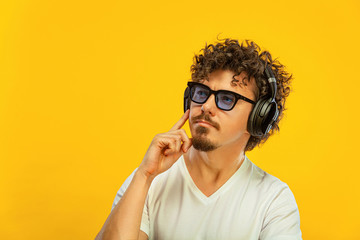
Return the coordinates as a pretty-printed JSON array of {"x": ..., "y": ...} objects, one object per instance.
[{"x": 210, "y": 105}]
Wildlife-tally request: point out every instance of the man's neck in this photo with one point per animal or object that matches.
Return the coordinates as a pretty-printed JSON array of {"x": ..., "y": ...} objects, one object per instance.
[{"x": 214, "y": 167}]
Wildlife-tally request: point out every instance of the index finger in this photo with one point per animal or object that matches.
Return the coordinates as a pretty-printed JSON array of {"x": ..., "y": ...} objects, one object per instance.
[{"x": 181, "y": 122}]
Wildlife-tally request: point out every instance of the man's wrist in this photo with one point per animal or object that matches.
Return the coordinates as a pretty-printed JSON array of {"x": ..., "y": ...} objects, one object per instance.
[{"x": 144, "y": 176}]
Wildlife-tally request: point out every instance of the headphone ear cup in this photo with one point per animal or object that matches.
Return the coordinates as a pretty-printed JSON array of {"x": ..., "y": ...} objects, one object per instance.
[
  {"x": 254, "y": 119},
  {"x": 262, "y": 117},
  {"x": 187, "y": 99}
]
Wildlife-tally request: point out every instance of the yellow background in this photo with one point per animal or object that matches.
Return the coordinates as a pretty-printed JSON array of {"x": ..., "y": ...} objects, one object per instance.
[{"x": 85, "y": 85}]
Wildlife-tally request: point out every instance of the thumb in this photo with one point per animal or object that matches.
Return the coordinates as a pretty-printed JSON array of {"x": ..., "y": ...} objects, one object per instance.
[{"x": 187, "y": 145}]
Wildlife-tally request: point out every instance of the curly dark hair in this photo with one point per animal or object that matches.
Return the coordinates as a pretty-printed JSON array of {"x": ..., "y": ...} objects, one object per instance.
[{"x": 228, "y": 54}]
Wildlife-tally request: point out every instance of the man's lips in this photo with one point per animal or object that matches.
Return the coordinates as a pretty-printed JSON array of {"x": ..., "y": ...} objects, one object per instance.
[{"x": 204, "y": 123}]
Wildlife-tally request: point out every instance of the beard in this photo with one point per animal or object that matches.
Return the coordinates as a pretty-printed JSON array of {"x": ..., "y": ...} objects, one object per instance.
[{"x": 200, "y": 142}]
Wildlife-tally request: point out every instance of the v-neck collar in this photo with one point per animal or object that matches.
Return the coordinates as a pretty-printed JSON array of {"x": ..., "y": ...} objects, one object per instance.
[{"x": 221, "y": 190}]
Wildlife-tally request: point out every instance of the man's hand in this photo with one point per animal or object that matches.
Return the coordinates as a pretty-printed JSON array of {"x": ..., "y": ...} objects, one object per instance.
[{"x": 165, "y": 149}]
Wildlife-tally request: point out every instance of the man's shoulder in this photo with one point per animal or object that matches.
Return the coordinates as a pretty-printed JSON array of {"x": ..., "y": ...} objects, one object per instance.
[{"x": 265, "y": 180}]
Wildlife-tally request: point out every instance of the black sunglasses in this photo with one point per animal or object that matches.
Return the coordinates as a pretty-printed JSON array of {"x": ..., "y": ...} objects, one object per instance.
[{"x": 224, "y": 99}]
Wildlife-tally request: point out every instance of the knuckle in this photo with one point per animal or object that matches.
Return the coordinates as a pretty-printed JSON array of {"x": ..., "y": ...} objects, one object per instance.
[
  {"x": 181, "y": 132},
  {"x": 184, "y": 132},
  {"x": 157, "y": 137},
  {"x": 185, "y": 138},
  {"x": 175, "y": 136}
]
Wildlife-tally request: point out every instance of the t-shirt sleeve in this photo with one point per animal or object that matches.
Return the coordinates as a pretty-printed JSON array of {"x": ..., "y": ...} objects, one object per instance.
[
  {"x": 282, "y": 220},
  {"x": 145, "y": 217},
  {"x": 122, "y": 189}
]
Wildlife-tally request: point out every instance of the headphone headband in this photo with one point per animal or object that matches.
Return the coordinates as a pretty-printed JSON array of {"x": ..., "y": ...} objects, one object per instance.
[{"x": 271, "y": 79}]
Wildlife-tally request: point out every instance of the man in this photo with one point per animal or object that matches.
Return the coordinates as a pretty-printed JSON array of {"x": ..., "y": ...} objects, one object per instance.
[{"x": 205, "y": 187}]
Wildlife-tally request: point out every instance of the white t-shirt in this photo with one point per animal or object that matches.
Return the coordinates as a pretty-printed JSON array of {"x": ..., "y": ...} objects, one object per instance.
[{"x": 252, "y": 204}]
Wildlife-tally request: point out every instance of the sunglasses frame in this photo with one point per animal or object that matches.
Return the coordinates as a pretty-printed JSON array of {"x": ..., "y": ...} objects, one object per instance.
[{"x": 237, "y": 96}]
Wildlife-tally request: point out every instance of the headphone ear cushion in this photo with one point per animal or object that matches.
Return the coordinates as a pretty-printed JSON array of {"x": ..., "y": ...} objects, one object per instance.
[
  {"x": 270, "y": 117},
  {"x": 187, "y": 99}
]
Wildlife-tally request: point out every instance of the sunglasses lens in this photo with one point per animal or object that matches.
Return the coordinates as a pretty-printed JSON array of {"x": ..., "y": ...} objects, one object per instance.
[
  {"x": 199, "y": 94},
  {"x": 225, "y": 101}
]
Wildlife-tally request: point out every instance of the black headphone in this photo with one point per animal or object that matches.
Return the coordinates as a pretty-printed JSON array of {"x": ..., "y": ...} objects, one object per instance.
[{"x": 265, "y": 112}]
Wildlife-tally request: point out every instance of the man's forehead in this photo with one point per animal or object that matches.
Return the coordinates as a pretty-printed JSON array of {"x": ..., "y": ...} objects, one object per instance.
[{"x": 240, "y": 83}]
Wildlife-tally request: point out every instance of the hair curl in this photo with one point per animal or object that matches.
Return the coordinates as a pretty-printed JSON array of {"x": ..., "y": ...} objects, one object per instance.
[{"x": 228, "y": 54}]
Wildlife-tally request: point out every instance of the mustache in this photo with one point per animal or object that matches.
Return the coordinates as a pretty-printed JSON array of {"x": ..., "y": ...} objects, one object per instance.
[{"x": 207, "y": 119}]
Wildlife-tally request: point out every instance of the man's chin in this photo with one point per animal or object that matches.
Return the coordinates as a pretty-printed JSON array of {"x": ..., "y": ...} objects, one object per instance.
[{"x": 203, "y": 144}]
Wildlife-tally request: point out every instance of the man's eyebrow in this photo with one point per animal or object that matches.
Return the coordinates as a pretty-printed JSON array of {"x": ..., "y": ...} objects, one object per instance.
[{"x": 203, "y": 80}]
